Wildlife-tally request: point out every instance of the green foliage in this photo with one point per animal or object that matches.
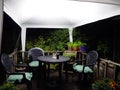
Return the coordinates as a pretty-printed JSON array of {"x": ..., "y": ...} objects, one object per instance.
[
  {"x": 78, "y": 43},
  {"x": 69, "y": 44},
  {"x": 29, "y": 45},
  {"x": 75, "y": 45},
  {"x": 61, "y": 46},
  {"x": 8, "y": 86},
  {"x": 83, "y": 44},
  {"x": 70, "y": 55},
  {"x": 76, "y": 35},
  {"x": 104, "y": 84},
  {"x": 40, "y": 42},
  {"x": 52, "y": 66},
  {"x": 59, "y": 39},
  {"x": 56, "y": 40}
]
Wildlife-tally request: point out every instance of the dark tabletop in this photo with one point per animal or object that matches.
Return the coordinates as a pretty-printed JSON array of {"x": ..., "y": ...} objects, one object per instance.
[{"x": 51, "y": 59}]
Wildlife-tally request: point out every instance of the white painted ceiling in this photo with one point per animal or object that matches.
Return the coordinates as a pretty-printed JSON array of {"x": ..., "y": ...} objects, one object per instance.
[{"x": 60, "y": 13}]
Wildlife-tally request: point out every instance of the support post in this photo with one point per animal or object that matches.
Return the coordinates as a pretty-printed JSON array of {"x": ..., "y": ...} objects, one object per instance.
[
  {"x": 23, "y": 40},
  {"x": 1, "y": 22},
  {"x": 70, "y": 34}
]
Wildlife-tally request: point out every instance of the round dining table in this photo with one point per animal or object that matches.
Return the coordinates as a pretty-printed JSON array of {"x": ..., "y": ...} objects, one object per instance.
[{"x": 50, "y": 59}]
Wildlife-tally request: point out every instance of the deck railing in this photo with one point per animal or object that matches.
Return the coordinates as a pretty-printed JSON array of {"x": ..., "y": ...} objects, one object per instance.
[{"x": 103, "y": 68}]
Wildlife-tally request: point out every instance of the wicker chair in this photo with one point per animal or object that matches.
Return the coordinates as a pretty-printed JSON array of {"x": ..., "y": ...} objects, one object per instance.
[
  {"x": 34, "y": 65},
  {"x": 84, "y": 68},
  {"x": 15, "y": 77}
]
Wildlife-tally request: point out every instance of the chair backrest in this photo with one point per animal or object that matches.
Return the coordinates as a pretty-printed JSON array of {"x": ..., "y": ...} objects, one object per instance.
[
  {"x": 35, "y": 52},
  {"x": 7, "y": 62},
  {"x": 92, "y": 57}
]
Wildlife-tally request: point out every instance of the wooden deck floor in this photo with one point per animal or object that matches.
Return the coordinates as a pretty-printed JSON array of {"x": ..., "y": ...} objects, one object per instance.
[{"x": 53, "y": 83}]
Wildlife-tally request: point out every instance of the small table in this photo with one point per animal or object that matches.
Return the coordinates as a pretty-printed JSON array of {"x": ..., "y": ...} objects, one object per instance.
[{"x": 49, "y": 59}]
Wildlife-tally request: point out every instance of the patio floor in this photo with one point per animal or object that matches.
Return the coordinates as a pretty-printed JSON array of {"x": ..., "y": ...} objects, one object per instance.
[{"x": 53, "y": 83}]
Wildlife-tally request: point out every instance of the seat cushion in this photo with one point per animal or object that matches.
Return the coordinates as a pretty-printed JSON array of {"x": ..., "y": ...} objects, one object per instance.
[
  {"x": 79, "y": 68},
  {"x": 34, "y": 63},
  {"x": 13, "y": 78}
]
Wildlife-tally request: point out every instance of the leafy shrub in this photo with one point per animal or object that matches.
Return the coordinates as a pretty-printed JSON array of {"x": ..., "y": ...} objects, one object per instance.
[
  {"x": 104, "y": 84},
  {"x": 8, "y": 86},
  {"x": 56, "y": 40}
]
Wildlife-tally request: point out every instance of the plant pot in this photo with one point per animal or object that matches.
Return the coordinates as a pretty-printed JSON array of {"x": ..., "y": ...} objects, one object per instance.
[
  {"x": 83, "y": 48},
  {"x": 74, "y": 48}
]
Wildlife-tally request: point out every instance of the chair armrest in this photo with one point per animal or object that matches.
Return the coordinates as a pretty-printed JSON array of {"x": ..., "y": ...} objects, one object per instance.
[
  {"x": 80, "y": 61},
  {"x": 21, "y": 65}
]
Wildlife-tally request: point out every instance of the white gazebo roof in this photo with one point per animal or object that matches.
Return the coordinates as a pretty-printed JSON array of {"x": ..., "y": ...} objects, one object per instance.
[{"x": 60, "y": 13}]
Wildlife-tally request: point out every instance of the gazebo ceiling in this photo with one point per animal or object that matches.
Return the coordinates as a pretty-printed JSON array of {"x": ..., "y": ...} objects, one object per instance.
[{"x": 60, "y": 13}]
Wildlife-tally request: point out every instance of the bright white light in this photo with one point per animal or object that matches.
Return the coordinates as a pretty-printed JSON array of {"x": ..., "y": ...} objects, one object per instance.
[{"x": 67, "y": 13}]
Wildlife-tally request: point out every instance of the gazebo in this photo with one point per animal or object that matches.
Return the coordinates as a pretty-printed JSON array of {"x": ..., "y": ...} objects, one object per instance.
[{"x": 56, "y": 13}]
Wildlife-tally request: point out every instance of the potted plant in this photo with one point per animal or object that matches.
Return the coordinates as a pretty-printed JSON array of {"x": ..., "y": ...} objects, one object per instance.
[
  {"x": 83, "y": 47},
  {"x": 75, "y": 46},
  {"x": 69, "y": 44}
]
